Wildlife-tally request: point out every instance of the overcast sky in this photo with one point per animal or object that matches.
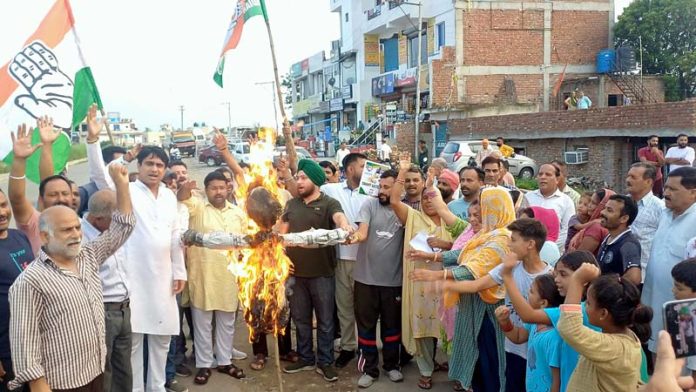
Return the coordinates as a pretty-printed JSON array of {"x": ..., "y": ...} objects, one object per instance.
[{"x": 150, "y": 56}]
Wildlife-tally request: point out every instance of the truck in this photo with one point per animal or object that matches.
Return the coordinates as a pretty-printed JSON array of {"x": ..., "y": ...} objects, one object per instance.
[{"x": 184, "y": 141}]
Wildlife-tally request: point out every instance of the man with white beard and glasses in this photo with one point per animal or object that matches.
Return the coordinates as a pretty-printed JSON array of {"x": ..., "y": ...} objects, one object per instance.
[{"x": 57, "y": 314}]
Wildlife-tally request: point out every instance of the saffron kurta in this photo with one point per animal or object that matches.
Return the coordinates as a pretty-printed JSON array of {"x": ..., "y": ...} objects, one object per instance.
[{"x": 212, "y": 286}]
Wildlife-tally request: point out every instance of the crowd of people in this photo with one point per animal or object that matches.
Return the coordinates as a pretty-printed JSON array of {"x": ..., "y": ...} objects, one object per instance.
[{"x": 545, "y": 290}]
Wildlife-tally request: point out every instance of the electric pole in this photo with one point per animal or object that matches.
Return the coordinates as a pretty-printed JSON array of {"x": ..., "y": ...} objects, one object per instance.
[
  {"x": 229, "y": 116},
  {"x": 181, "y": 109}
]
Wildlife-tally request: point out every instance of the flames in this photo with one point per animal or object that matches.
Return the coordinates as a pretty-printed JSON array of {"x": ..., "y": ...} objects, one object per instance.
[{"x": 262, "y": 270}]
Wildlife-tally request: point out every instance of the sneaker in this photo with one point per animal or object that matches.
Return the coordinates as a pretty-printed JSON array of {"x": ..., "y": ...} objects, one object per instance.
[
  {"x": 183, "y": 371},
  {"x": 175, "y": 386},
  {"x": 328, "y": 372},
  {"x": 238, "y": 355},
  {"x": 344, "y": 358},
  {"x": 365, "y": 381},
  {"x": 298, "y": 366},
  {"x": 395, "y": 375}
]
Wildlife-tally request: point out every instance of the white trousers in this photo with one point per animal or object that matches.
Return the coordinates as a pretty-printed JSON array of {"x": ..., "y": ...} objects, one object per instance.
[
  {"x": 158, "y": 348},
  {"x": 203, "y": 336}
]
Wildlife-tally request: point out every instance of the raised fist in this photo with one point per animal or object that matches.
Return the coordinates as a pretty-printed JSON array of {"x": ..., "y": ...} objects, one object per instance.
[{"x": 49, "y": 90}]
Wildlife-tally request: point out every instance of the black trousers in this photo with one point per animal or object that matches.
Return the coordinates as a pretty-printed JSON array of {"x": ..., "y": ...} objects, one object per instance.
[
  {"x": 260, "y": 346},
  {"x": 381, "y": 303}
]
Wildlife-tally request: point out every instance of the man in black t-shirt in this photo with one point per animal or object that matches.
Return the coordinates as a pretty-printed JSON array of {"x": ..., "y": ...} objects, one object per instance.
[
  {"x": 620, "y": 251},
  {"x": 315, "y": 287},
  {"x": 15, "y": 255}
]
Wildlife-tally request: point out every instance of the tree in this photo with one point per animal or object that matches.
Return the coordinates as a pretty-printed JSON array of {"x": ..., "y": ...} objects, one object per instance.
[
  {"x": 286, "y": 87},
  {"x": 668, "y": 32}
]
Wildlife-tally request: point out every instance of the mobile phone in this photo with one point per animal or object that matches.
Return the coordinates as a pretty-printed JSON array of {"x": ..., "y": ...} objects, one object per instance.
[{"x": 679, "y": 319}]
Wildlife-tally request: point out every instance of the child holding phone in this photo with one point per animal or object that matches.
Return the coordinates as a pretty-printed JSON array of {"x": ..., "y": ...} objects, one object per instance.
[{"x": 684, "y": 277}]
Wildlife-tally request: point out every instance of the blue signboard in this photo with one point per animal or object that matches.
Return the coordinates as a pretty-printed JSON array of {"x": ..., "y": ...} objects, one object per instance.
[{"x": 440, "y": 138}]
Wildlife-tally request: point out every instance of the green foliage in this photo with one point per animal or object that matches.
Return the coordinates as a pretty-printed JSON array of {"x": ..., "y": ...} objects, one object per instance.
[
  {"x": 527, "y": 184},
  {"x": 668, "y": 32}
]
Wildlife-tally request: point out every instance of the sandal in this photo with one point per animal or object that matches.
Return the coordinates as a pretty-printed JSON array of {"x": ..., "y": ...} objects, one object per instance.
[
  {"x": 202, "y": 376},
  {"x": 258, "y": 363},
  {"x": 441, "y": 367},
  {"x": 425, "y": 382},
  {"x": 459, "y": 388},
  {"x": 232, "y": 370},
  {"x": 292, "y": 357}
]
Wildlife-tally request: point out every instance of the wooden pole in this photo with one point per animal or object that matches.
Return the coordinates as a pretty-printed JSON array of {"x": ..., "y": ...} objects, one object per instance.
[
  {"x": 108, "y": 130},
  {"x": 277, "y": 363},
  {"x": 287, "y": 132}
]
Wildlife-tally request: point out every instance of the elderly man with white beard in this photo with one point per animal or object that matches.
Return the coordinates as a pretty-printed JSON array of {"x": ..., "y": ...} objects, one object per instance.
[{"x": 57, "y": 314}]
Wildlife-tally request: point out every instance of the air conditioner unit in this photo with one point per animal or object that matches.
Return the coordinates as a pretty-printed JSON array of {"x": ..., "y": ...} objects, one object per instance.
[{"x": 576, "y": 157}]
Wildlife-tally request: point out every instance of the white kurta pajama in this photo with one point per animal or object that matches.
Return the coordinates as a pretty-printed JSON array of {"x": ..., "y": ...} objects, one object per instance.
[{"x": 154, "y": 259}]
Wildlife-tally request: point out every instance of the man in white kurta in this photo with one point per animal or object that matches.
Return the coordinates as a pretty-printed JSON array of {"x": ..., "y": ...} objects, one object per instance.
[
  {"x": 677, "y": 226},
  {"x": 154, "y": 267}
]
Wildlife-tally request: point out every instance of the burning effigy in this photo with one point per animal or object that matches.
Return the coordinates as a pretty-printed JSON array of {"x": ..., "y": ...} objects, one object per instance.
[{"x": 257, "y": 257}]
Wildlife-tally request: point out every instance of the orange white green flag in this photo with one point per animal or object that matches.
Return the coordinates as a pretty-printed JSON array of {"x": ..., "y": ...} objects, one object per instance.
[
  {"x": 47, "y": 75},
  {"x": 243, "y": 11}
]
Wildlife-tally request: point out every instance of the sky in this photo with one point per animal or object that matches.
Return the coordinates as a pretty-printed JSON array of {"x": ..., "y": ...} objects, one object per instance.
[{"x": 151, "y": 56}]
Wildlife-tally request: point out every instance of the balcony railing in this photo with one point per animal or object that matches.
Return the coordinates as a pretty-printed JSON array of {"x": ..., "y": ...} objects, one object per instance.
[
  {"x": 395, "y": 3},
  {"x": 375, "y": 12}
]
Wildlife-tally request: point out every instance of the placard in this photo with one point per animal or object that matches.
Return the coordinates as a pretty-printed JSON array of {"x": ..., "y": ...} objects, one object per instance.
[{"x": 369, "y": 182}]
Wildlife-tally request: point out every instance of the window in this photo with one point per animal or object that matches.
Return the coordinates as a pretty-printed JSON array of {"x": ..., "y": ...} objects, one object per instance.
[
  {"x": 440, "y": 35},
  {"x": 413, "y": 50},
  {"x": 346, "y": 17}
]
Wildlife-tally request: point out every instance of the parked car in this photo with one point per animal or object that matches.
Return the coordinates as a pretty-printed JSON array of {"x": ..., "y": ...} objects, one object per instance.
[
  {"x": 240, "y": 151},
  {"x": 211, "y": 155},
  {"x": 302, "y": 153},
  {"x": 460, "y": 153}
]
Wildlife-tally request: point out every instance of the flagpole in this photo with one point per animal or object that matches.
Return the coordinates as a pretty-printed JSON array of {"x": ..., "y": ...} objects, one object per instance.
[
  {"x": 287, "y": 131},
  {"x": 108, "y": 129}
]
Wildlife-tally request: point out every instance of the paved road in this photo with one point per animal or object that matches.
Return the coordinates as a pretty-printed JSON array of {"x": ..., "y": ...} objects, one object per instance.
[{"x": 266, "y": 380}]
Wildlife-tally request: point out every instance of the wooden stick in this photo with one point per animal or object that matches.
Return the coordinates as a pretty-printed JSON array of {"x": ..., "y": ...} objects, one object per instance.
[
  {"x": 277, "y": 362},
  {"x": 287, "y": 132},
  {"x": 108, "y": 130}
]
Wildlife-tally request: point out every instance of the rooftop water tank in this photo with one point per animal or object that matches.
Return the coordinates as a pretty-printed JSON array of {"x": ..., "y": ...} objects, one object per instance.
[
  {"x": 625, "y": 59},
  {"x": 605, "y": 61}
]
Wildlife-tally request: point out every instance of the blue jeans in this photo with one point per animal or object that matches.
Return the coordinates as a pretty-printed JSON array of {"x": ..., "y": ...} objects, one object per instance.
[
  {"x": 318, "y": 295},
  {"x": 170, "y": 370}
]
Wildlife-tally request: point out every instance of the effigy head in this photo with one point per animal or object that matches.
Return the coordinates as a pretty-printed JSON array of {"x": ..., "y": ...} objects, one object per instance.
[{"x": 263, "y": 208}]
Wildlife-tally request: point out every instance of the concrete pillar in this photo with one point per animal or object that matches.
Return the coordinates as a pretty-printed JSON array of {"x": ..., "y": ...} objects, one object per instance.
[{"x": 547, "y": 55}]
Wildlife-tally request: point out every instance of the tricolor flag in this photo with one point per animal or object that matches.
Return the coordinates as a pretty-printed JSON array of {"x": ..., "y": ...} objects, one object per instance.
[
  {"x": 46, "y": 76},
  {"x": 244, "y": 10}
]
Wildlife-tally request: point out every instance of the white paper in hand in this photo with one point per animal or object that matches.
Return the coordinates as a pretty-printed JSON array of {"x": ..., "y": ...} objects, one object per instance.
[{"x": 420, "y": 242}]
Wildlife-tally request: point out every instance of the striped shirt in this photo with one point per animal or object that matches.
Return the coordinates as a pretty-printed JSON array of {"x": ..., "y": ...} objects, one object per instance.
[
  {"x": 650, "y": 209},
  {"x": 57, "y": 317}
]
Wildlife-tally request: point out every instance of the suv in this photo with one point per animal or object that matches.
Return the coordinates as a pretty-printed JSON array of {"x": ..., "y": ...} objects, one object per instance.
[{"x": 460, "y": 153}]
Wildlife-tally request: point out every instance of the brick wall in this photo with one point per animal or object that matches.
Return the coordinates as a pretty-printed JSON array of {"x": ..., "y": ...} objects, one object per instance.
[
  {"x": 577, "y": 36},
  {"x": 635, "y": 120},
  {"x": 502, "y": 89},
  {"x": 518, "y": 32},
  {"x": 441, "y": 83},
  {"x": 405, "y": 135}
]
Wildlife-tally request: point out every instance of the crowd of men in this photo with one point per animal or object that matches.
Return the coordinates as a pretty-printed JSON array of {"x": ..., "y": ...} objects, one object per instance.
[{"x": 95, "y": 282}]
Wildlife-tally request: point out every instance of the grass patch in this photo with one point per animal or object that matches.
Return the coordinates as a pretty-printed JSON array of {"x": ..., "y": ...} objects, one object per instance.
[
  {"x": 527, "y": 184},
  {"x": 77, "y": 151}
]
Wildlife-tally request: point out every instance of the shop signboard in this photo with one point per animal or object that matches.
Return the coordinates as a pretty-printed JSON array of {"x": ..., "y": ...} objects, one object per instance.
[
  {"x": 405, "y": 78},
  {"x": 336, "y": 105},
  {"x": 371, "y": 42},
  {"x": 440, "y": 138},
  {"x": 383, "y": 84},
  {"x": 347, "y": 91}
]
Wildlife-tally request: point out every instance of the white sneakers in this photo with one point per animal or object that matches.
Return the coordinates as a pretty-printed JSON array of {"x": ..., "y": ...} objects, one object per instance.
[
  {"x": 238, "y": 355},
  {"x": 366, "y": 381}
]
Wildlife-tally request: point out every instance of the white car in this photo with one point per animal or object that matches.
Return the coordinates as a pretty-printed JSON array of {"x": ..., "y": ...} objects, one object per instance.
[
  {"x": 240, "y": 151},
  {"x": 460, "y": 153}
]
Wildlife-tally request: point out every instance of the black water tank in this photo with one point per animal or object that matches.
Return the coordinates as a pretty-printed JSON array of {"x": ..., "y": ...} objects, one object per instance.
[{"x": 625, "y": 59}]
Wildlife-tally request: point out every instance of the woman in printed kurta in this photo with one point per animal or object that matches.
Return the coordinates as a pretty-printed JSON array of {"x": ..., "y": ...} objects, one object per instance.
[{"x": 478, "y": 340}]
